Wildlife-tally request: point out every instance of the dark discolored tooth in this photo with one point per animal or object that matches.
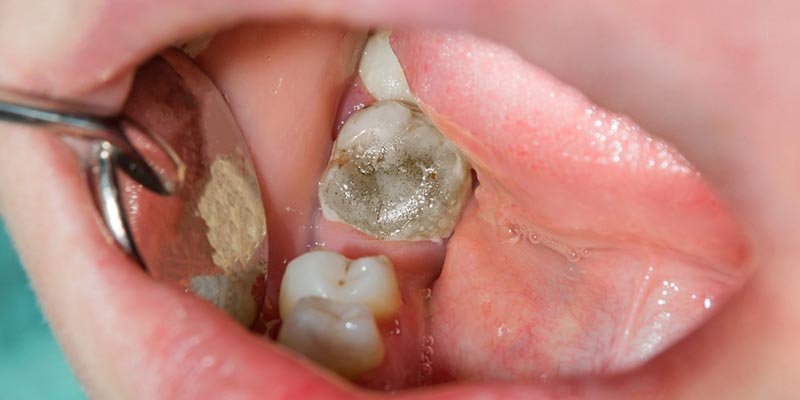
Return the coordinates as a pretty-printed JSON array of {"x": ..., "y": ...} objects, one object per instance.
[{"x": 393, "y": 176}]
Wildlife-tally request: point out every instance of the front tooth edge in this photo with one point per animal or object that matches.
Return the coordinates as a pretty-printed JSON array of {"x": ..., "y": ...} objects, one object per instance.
[
  {"x": 341, "y": 337},
  {"x": 369, "y": 281},
  {"x": 381, "y": 72}
]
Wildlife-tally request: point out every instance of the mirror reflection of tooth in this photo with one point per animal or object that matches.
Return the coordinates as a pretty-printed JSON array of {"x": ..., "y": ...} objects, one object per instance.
[
  {"x": 233, "y": 212},
  {"x": 393, "y": 176},
  {"x": 231, "y": 294},
  {"x": 369, "y": 281},
  {"x": 341, "y": 337},
  {"x": 210, "y": 236},
  {"x": 381, "y": 72}
]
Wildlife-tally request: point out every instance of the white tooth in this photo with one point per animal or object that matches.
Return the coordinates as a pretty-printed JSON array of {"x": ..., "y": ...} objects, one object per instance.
[
  {"x": 195, "y": 46},
  {"x": 232, "y": 294},
  {"x": 369, "y": 281},
  {"x": 393, "y": 176},
  {"x": 341, "y": 337},
  {"x": 381, "y": 71}
]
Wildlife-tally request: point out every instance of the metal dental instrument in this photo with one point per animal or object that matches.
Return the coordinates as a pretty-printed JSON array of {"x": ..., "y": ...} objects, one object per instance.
[
  {"x": 173, "y": 180},
  {"x": 112, "y": 150}
]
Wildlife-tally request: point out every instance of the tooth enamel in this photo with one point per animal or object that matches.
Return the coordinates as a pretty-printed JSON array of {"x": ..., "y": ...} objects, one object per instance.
[
  {"x": 194, "y": 47},
  {"x": 381, "y": 72},
  {"x": 393, "y": 176},
  {"x": 342, "y": 337},
  {"x": 369, "y": 281},
  {"x": 231, "y": 294}
]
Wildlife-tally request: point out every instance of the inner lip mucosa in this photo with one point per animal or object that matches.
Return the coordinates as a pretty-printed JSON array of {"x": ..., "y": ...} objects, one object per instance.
[{"x": 537, "y": 281}]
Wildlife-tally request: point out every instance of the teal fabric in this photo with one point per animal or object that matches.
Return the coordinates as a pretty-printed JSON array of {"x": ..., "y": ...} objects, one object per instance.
[{"x": 32, "y": 365}]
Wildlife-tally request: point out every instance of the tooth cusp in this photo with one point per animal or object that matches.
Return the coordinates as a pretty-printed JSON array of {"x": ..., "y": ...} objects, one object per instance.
[
  {"x": 381, "y": 72},
  {"x": 369, "y": 281},
  {"x": 393, "y": 176},
  {"x": 341, "y": 337}
]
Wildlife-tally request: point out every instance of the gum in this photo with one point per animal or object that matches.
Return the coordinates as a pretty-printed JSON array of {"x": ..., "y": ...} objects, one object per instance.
[{"x": 580, "y": 178}]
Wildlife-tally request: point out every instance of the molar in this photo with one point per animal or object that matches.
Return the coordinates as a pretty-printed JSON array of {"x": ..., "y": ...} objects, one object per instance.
[
  {"x": 369, "y": 281},
  {"x": 341, "y": 337},
  {"x": 394, "y": 176}
]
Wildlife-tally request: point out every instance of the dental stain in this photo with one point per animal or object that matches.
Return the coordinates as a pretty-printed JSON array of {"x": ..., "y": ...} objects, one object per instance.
[
  {"x": 231, "y": 208},
  {"x": 393, "y": 176},
  {"x": 511, "y": 233}
]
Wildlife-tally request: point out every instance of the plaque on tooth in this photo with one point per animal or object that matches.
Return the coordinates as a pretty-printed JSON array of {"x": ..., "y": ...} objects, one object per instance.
[{"x": 394, "y": 176}]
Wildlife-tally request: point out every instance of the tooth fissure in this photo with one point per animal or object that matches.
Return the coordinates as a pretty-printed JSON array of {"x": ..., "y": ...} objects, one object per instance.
[
  {"x": 393, "y": 176},
  {"x": 329, "y": 305},
  {"x": 369, "y": 281}
]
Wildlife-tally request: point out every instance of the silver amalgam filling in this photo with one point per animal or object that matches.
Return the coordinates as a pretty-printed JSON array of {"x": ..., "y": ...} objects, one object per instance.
[{"x": 394, "y": 176}]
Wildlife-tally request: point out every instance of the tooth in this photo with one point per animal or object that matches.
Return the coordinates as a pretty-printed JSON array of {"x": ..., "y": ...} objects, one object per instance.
[
  {"x": 369, "y": 281},
  {"x": 342, "y": 337},
  {"x": 381, "y": 72},
  {"x": 195, "y": 46},
  {"x": 393, "y": 176},
  {"x": 230, "y": 293}
]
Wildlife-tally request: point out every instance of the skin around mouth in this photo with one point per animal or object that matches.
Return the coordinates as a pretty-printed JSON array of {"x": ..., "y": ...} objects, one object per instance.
[{"x": 502, "y": 305}]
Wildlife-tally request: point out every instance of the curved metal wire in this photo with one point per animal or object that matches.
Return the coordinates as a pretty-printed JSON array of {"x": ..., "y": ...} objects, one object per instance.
[
  {"x": 100, "y": 129},
  {"x": 112, "y": 151},
  {"x": 109, "y": 198}
]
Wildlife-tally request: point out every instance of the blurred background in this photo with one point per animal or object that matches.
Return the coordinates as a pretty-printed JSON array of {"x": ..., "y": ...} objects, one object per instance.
[{"x": 32, "y": 365}]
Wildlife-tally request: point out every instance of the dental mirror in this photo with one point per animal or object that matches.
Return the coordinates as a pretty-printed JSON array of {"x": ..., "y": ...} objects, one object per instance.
[{"x": 209, "y": 237}]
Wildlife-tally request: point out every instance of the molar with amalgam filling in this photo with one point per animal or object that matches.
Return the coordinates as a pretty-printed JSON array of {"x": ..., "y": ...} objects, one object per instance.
[
  {"x": 381, "y": 72},
  {"x": 341, "y": 337},
  {"x": 393, "y": 176},
  {"x": 369, "y": 281}
]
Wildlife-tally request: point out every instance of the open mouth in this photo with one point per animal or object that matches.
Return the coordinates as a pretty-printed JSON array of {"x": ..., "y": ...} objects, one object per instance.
[{"x": 583, "y": 248}]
